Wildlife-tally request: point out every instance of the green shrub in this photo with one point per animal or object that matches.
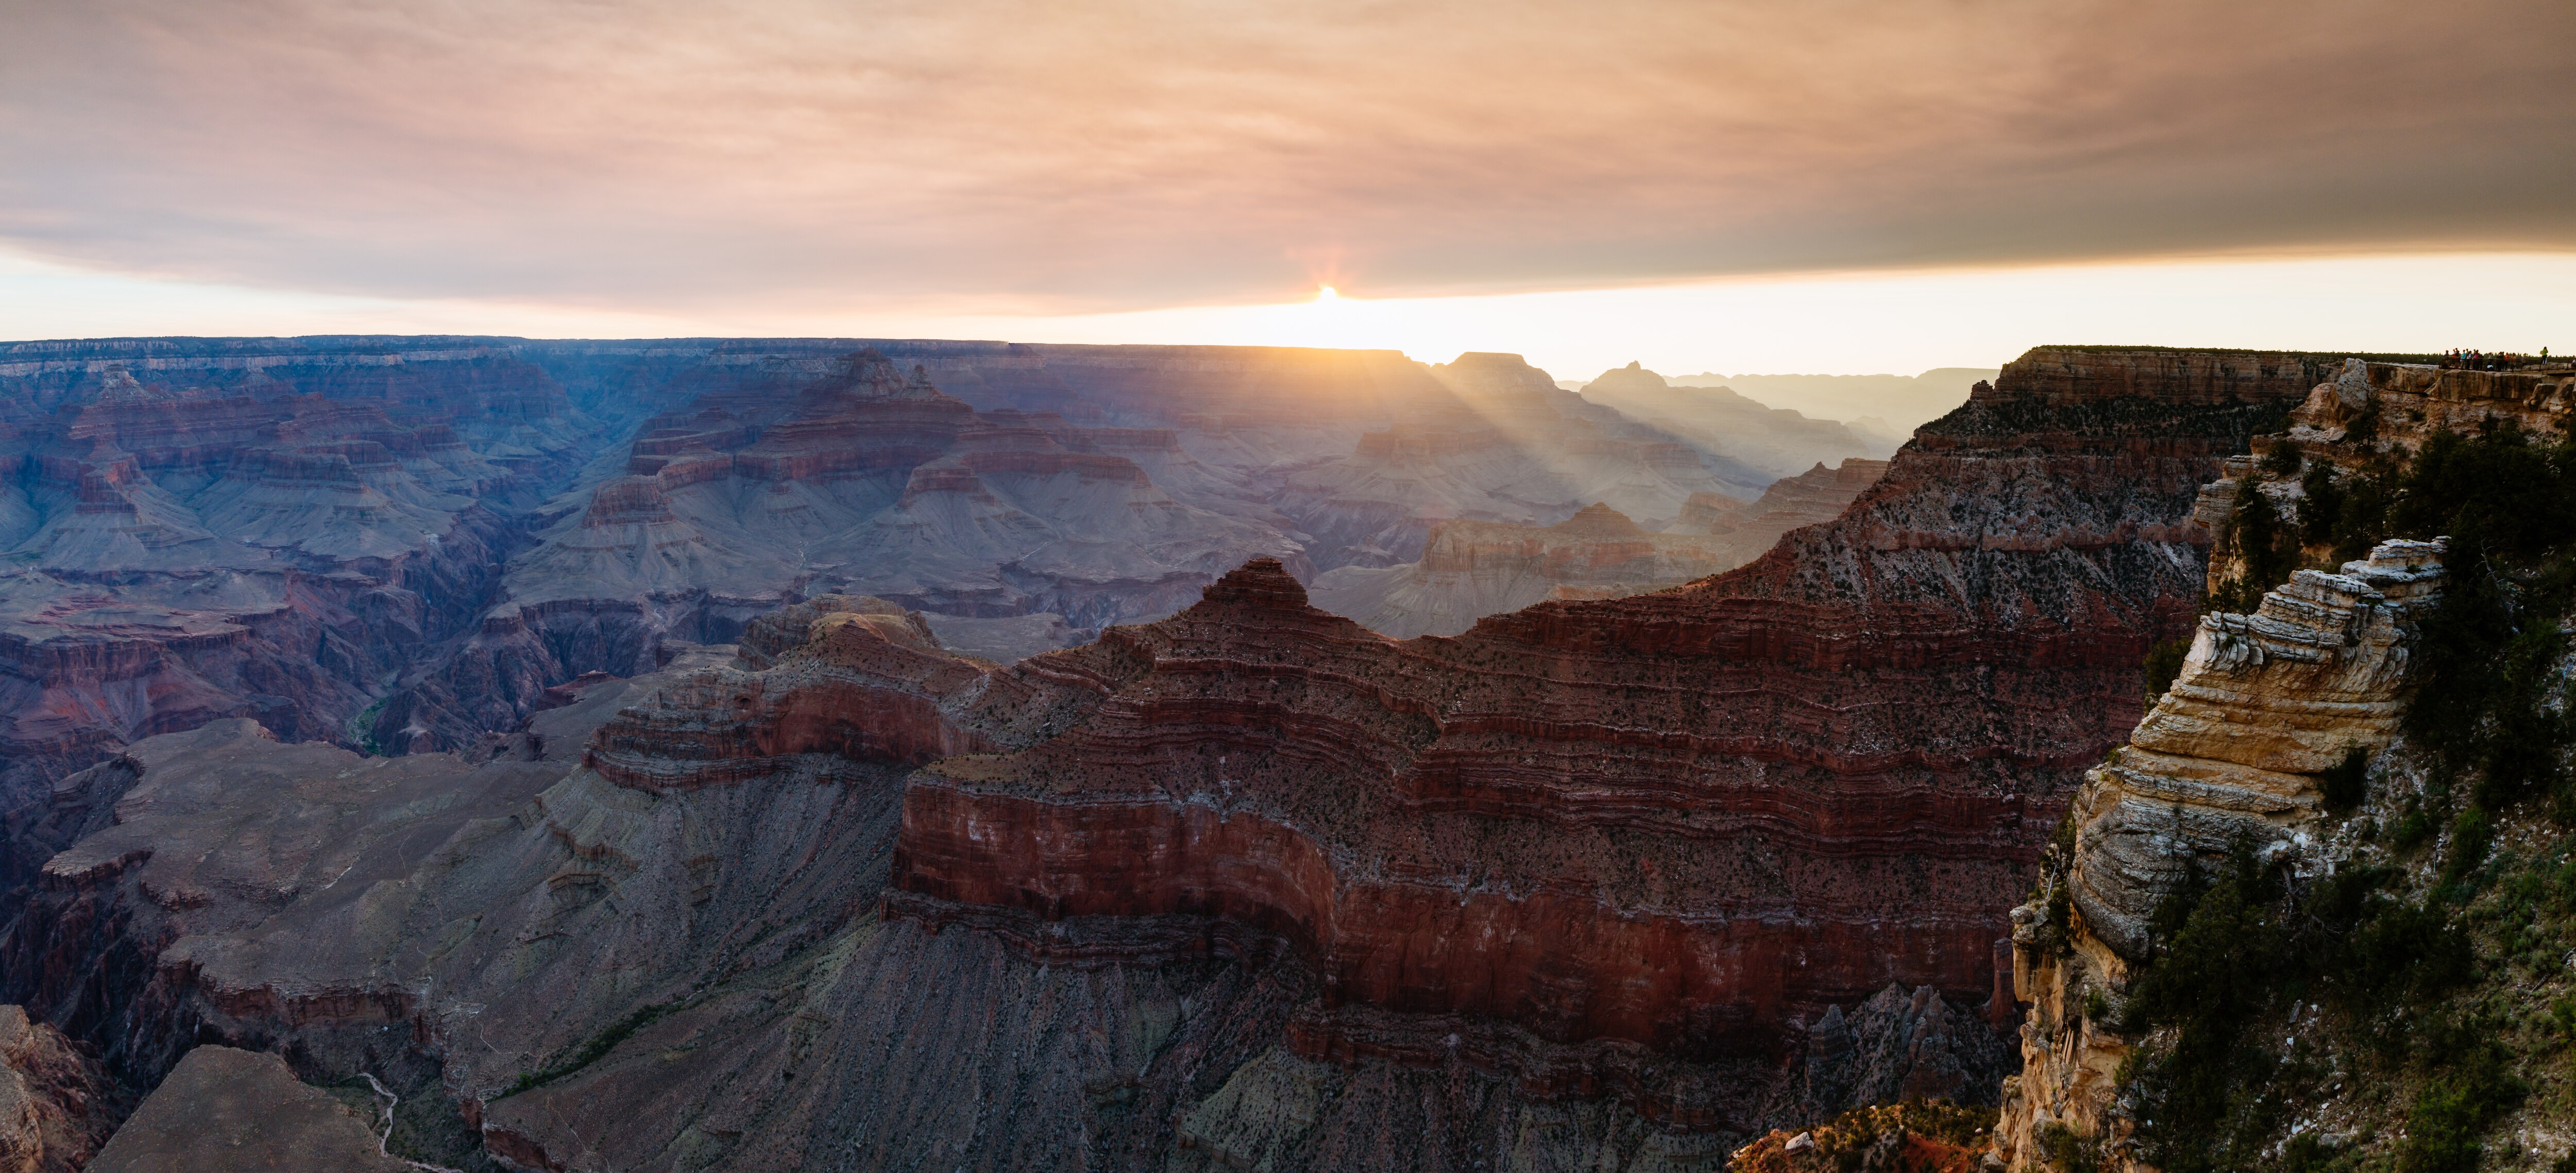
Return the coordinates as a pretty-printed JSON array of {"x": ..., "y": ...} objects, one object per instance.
[
  {"x": 2265, "y": 549},
  {"x": 2067, "y": 1151},
  {"x": 2453, "y": 1112},
  {"x": 2472, "y": 835}
]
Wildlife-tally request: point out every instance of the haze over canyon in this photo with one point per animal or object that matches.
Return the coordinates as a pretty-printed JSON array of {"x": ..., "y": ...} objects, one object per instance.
[
  {"x": 839, "y": 753},
  {"x": 994, "y": 587}
]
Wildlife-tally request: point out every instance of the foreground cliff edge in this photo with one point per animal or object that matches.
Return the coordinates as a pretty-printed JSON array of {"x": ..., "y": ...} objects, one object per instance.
[
  {"x": 1607, "y": 883},
  {"x": 2314, "y": 915}
]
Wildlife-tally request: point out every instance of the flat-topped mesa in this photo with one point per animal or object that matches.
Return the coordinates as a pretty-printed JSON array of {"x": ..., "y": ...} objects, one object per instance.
[
  {"x": 2060, "y": 376},
  {"x": 770, "y": 637},
  {"x": 864, "y": 685},
  {"x": 631, "y": 500},
  {"x": 1260, "y": 584},
  {"x": 2230, "y": 759}
]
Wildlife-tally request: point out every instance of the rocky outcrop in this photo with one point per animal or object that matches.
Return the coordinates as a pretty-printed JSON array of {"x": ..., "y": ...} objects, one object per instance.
[
  {"x": 2367, "y": 415},
  {"x": 2229, "y": 758},
  {"x": 2233, "y": 756},
  {"x": 57, "y": 1105}
]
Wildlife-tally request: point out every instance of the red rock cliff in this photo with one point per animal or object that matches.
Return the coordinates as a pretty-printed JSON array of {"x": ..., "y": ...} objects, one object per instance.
[{"x": 1661, "y": 825}]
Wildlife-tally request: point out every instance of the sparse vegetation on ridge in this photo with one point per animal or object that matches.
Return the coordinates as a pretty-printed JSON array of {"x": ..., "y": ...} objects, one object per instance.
[{"x": 2390, "y": 1012}]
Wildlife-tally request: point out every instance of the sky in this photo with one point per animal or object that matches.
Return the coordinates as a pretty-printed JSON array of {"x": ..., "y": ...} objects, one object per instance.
[{"x": 1834, "y": 186}]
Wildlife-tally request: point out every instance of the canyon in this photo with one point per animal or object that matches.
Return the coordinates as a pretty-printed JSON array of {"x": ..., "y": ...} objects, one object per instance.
[
  {"x": 402, "y": 543},
  {"x": 1612, "y": 882},
  {"x": 2286, "y": 752}
]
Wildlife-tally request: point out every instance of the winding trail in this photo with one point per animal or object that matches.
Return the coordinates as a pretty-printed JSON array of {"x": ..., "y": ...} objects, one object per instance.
[{"x": 386, "y": 1138}]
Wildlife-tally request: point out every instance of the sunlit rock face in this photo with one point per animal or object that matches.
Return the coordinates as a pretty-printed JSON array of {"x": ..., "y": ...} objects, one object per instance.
[
  {"x": 2231, "y": 756},
  {"x": 2227, "y": 760},
  {"x": 2264, "y": 704},
  {"x": 1060, "y": 489},
  {"x": 1598, "y": 883},
  {"x": 1600, "y": 836},
  {"x": 57, "y": 1106}
]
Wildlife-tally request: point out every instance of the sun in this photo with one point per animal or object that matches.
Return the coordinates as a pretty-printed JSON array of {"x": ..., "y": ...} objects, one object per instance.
[{"x": 1326, "y": 293}]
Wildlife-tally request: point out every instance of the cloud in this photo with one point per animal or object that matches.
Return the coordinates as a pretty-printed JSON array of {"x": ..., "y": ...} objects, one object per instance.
[{"x": 988, "y": 155}]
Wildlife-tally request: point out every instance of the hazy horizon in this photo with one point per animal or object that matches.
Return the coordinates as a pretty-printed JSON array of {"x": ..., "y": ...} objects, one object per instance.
[{"x": 1846, "y": 187}]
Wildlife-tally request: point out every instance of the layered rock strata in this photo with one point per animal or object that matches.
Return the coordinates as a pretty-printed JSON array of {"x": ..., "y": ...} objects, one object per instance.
[
  {"x": 201, "y": 530},
  {"x": 2228, "y": 758},
  {"x": 674, "y": 953},
  {"x": 1247, "y": 884},
  {"x": 1592, "y": 837},
  {"x": 1016, "y": 529},
  {"x": 865, "y": 480},
  {"x": 57, "y": 1105},
  {"x": 2368, "y": 414}
]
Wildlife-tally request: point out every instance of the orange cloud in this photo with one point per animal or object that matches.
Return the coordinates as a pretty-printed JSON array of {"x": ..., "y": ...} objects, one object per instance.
[{"x": 996, "y": 156}]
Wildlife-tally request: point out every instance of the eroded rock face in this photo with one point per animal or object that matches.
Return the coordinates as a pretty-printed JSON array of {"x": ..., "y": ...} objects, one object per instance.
[
  {"x": 2228, "y": 759},
  {"x": 1251, "y": 880},
  {"x": 2368, "y": 412},
  {"x": 1599, "y": 837},
  {"x": 2265, "y": 703},
  {"x": 1060, "y": 490},
  {"x": 267, "y": 529},
  {"x": 57, "y": 1104}
]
